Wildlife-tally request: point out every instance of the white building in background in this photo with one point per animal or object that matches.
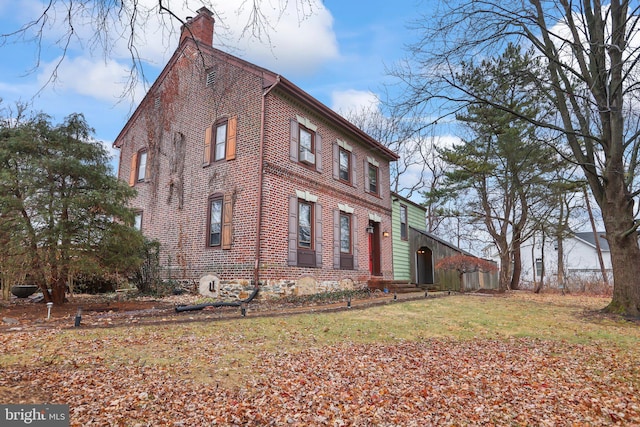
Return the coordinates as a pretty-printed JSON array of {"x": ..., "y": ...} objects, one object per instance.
[{"x": 581, "y": 263}]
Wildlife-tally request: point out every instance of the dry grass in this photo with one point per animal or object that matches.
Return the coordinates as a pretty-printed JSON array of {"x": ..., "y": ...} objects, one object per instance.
[
  {"x": 384, "y": 365},
  {"x": 224, "y": 349}
]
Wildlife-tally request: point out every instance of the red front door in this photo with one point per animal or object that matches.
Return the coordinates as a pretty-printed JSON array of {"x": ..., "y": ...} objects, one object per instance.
[{"x": 374, "y": 248}]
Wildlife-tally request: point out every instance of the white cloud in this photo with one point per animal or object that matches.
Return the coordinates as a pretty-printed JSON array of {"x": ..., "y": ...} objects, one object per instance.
[
  {"x": 353, "y": 101},
  {"x": 97, "y": 79},
  {"x": 14, "y": 90},
  {"x": 297, "y": 45},
  {"x": 294, "y": 42},
  {"x": 446, "y": 141}
]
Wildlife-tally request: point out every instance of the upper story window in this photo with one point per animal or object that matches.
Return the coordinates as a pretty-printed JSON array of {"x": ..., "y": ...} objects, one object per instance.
[
  {"x": 372, "y": 176},
  {"x": 142, "y": 165},
  {"x": 138, "y": 172},
  {"x": 344, "y": 161},
  {"x": 373, "y": 179},
  {"x": 305, "y": 143},
  {"x": 403, "y": 222},
  {"x": 306, "y": 153},
  {"x": 220, "y": 141}
]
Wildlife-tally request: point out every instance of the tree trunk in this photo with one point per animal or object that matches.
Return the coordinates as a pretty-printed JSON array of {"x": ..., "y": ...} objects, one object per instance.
[
  {"x": 560, "y": 233},
  {"x": 561, "y": 278},
  {"x": 58, "y": 291},
  {"x": 37, "y": 267},
  {"x": 625, "y": 260},
  {"x": 59, "y": 280},
  {"x": 617, "y": 213},
  {"x": 540, "y": 284},
  {"x": 517, "y": 261},
  {"x": 6, "y": 288},
  {"x": 505, "y": 271},
  {"x": 461, "y": 275},
  {"x": 596, "y": 239}
]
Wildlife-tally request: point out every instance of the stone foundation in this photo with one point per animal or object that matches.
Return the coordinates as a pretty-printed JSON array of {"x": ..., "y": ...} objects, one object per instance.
[{"x": 211, "y": 286}]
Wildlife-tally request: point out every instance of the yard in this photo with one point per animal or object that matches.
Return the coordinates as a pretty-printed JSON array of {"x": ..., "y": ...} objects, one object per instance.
[{"x": 515, "y": 359}]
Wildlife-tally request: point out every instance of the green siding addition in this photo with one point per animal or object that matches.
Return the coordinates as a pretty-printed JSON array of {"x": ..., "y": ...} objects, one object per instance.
[
  {"x": 401, "y": 251},
  {"x": 414, "y": 259}
]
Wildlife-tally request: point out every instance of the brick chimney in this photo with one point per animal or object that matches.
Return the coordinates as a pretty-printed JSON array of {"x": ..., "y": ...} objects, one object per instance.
[{"x": 201, "y": 27}]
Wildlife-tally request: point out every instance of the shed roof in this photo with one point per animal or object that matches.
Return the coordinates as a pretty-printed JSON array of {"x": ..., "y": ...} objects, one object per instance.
[{"x": 444, "y": 242}]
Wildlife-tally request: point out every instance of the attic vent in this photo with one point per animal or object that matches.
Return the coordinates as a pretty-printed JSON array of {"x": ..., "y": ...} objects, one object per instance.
[
  {"x": 211, "y": 77},
  {"x": 157, "y": 102}
]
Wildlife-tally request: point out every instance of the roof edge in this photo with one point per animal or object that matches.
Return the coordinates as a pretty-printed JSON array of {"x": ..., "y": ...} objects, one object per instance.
[
  {"x": 293, "y": 89},
  {"x": 284, "y": 84}
]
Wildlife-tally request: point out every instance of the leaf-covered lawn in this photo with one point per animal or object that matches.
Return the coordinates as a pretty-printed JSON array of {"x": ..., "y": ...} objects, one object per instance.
[{"x": 356, "y": 368}]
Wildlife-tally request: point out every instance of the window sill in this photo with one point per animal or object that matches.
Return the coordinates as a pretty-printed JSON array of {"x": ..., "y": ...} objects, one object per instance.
[
  {"x": 217, "y": 162},
  {"x": 307, "y": 166},
  {"x": 376, "y": 195},
  {"x": 342, "y": 181}
]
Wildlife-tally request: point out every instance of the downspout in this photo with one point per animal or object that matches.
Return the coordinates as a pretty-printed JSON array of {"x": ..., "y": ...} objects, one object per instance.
[{"x": 256, "y": 267}]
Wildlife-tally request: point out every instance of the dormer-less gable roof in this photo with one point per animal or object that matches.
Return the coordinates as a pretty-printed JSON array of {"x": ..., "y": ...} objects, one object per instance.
[{"x": 270, "y": 80}]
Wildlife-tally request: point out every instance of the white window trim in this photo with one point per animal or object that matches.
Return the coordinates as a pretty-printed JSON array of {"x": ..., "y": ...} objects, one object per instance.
[
  {"x": 345, "y": 208},
  {"x": 306, "y": 123},
  {"x": 373, "y": 161},
  {"x": 305, "y": 195},
  {"x": 344, "y": 145}
]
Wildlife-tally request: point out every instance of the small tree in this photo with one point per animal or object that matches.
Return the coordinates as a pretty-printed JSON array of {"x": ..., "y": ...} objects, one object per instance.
[
  {"x": 147, "y": 276},
  {"x": 465, "y": 264}
]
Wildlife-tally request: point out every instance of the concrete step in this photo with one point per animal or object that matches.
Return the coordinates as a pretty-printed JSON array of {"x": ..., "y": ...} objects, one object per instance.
[{"x": 397, "y": 286}]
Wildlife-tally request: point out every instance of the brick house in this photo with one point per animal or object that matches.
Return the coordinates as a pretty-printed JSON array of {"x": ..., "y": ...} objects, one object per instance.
[{"x": 245, "y": 178}]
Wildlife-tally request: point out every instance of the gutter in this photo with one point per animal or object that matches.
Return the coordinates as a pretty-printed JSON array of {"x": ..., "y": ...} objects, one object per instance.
[{"x": 256, "y": 267}]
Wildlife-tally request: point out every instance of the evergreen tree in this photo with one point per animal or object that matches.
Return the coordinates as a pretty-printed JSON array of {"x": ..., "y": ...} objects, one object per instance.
[
  {"x": 503, "y": 167},
  {"x": 60, "y": 207}
]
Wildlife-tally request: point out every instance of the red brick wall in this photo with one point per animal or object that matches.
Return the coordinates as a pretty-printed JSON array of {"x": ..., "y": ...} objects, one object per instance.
[
  {"x": 284, "y": 177},
  {"x": 187, "y": 106}
]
